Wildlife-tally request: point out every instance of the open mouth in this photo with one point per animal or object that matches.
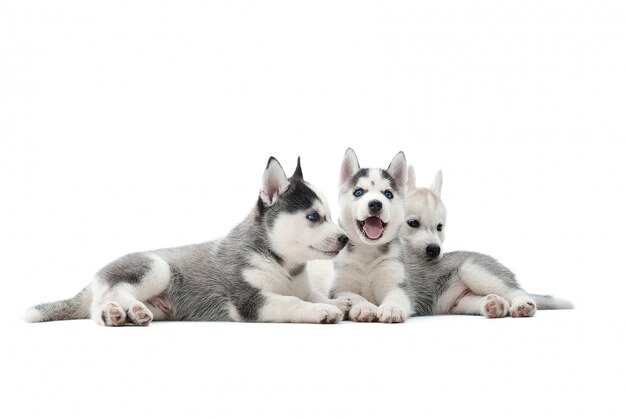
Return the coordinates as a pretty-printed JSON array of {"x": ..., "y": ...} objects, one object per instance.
[{"x": 372, "y": 227}]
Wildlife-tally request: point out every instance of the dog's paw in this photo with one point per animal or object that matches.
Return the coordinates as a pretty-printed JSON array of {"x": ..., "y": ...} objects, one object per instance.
[
  {"x": 363, "y": 312},
  {"x": 523, "y": 307},
  {"x": 344, "y": 304},
  {"x": 495, "y": 306},
  {"x": 391, "y": 314},
  {"x": 139, "y": 314},
  {"x": 113, "y": 315},
  {"x": 326, "y": 314}
]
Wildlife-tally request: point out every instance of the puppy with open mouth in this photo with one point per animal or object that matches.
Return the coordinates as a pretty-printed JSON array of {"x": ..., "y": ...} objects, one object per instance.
[{"x": 370, "y": 271}]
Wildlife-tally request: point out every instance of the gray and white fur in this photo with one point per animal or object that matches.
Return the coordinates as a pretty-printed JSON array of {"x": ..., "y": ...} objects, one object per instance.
[
  {"x": 370, "y": 271},
  {"x": 255, "y": 273},
  {"x": 459, "y": 282}
]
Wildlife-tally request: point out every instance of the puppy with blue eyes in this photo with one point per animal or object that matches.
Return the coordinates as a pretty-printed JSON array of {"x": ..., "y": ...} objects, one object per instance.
[
  {"x": 370, "y": 271},
  {"x": 459, "y": 282},
  {"x": 256, "y": 273}
]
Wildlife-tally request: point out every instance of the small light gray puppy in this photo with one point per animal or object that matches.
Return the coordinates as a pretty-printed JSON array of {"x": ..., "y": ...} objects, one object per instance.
[
  {"x": 459, "y": 282},
  {"x": 256, "y": 273}
]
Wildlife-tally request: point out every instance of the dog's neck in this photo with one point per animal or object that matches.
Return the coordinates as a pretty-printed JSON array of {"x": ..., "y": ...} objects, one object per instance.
[{"x": 369, "y": 252}]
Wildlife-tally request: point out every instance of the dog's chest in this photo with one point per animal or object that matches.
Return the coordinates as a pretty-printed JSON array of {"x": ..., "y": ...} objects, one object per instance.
[{"x": 370, "y": 278}]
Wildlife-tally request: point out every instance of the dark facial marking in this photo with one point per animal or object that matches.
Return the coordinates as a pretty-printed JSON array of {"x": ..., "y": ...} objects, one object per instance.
[
  {"x": 392, "y": 181},
  {"x": 297, "y": 197},
  {"x": 365, "y": 172},
  {"x": 361, "y": 173}
]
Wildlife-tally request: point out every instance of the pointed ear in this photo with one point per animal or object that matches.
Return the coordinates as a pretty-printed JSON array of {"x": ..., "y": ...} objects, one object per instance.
[
  {"x": 398, "y": 169},
  {"x": 437, "y": 183},
  {"x": 411, "y": 182},
  {"x": 349, "y": 166},
  {"x": 274, "y": 182},
  {"x": 297, "y": 174}
]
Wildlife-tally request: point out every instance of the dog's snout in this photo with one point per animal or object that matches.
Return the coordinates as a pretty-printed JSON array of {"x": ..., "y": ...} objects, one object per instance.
[
  {"x": 433, "y": 250},
  {"x": 375, "y": 206},
  {"x": 343, "y": 240}
]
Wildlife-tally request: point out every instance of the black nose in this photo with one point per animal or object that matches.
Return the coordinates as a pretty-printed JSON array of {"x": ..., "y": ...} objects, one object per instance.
[
  {"x": 433, "y": 250},
  {"x": 375, "y": 206},
  {"x": 343, "y": 239}
]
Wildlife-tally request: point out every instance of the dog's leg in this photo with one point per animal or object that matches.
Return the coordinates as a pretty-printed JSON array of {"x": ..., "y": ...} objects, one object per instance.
[
  {"x": 113, "y": 306},
  {"x": 306, "y": 291},
  {"x": 362, "y": 310},
  {"x": 491, "y": 306},
  {"x": 395, "y": 306},
  {"x": 120, "y": 288},
  {"x": 280, "y": 308},
  {"x": 482, "y": 282},
  {"x": 343, "y": 303}
]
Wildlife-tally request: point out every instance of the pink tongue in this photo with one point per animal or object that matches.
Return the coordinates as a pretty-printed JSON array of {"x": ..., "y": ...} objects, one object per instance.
[{"x": 373, "y": 227}]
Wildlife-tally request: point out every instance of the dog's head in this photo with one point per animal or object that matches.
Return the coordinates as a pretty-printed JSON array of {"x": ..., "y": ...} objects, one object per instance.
[
  {"x": 296, "y": 217},
  {"x": 425, "y": 217},
  {"x": 371, "y": 200}
]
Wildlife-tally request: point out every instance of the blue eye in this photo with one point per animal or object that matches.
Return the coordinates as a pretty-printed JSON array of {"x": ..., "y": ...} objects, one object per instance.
[
  {"x": 313, "y": 217},
  {"x": 358, "y": 192},
  {"x": 388, "y": 194}
]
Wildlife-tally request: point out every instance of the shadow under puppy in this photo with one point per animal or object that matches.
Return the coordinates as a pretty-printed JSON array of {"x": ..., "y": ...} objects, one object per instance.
[
  {"x": 256, "y": 273},
  {"x": 459, "y": 282}
]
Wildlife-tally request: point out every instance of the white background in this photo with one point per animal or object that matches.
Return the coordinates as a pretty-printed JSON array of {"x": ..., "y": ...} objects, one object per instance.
[{"x": 128, "y": 126}]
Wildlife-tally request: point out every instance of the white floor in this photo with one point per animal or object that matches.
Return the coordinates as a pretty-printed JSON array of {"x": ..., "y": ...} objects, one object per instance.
[{"x": 560, "y": 363}]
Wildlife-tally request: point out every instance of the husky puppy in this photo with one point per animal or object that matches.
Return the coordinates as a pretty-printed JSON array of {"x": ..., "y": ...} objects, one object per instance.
[
  {"x": 459, "y": 282},
  {"x": 370, "y": 271},
  {"x": 256, "y": 273}
]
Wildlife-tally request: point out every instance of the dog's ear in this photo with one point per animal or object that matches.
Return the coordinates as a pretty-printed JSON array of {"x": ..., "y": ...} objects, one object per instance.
[
  {"x": 274, "y": 182},
  {"x": 437, "y": 183},
  {"x": 411, "y": 182},
  {"x": 297, "y": 174},
  {"x": 349, "y": 166},
  {"x": 398, "y": 169}
]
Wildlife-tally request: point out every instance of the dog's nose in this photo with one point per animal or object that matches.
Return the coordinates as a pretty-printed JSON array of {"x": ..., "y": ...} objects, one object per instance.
[
  {"x": 433, "y": 250},
  {"x": 343, "y": 240},
  {"x": 375, "y": 206}
]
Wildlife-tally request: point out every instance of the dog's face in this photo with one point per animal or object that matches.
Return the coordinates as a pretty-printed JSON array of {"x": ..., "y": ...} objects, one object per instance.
[
  {"x": 297, "y": 217},
  {"x": 425, "y": 218},
  {"x": 372, "y": 200}
]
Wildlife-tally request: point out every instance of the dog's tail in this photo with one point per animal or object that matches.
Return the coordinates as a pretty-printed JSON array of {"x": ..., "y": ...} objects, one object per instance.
[
  {"x": 74, "y": 308},
  {"x": 550, "y": 302}
]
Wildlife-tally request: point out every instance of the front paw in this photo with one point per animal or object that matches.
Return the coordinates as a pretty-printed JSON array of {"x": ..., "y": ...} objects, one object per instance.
[
  {"x": 344, "y": 304},
  {"x": 391, "y": 314},
  {"x": 363, "y": 312},
  {"x": 325, "y": 314}
]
